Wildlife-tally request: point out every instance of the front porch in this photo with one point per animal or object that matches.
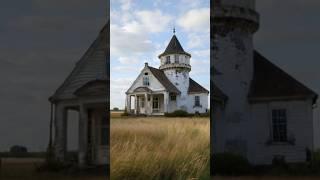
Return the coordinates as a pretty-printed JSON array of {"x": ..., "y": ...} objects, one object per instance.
[{"x": 147, "y": 103}]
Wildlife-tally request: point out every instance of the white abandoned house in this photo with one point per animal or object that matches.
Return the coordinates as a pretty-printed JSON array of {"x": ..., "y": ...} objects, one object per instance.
[
  {"x": 85, "y": 91},
  {"x": 260, "y": 111},
  {"x": 169, "y": 88}
]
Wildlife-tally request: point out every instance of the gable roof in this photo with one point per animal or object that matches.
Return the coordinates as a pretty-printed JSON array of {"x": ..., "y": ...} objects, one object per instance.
[
  {"x": 174, "y": 47},
  {"x": 194, "y": 87},
  {"x": 269, "y": 81},
  {"x": 218, "y": 94},
  {"x": 92, "y": 66},
  {"x": 162, "y": 78}
]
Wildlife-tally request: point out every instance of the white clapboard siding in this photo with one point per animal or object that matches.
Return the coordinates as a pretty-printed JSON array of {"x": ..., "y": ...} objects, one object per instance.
[{"x": 91, "y": 66}]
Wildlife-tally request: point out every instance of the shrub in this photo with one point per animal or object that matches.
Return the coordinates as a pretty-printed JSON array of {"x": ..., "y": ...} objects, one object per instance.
[
  {"x": 228, "y": 164},
  {"x": 125, "y": 113},
  {"x": 178, "y": 113}
]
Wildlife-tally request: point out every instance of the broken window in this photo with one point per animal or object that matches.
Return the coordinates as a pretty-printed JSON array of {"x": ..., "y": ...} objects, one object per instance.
[{"x": 279, "y": 125}]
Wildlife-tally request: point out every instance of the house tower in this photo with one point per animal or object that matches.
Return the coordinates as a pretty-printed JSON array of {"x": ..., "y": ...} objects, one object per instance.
[
  {"x": 175, "y": 63},
  {"x": 234, "y": 23}
]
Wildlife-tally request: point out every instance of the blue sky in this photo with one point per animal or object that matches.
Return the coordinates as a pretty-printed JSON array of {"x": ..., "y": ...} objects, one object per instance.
[{"x": 140, "y": 31}]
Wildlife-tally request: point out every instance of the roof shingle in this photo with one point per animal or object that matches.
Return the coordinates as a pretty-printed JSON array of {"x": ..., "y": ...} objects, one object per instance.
[
  {"x": 159, "y": 74},
  {"x": 269, "y": 81},
  {"x": 174, "y": 47}
]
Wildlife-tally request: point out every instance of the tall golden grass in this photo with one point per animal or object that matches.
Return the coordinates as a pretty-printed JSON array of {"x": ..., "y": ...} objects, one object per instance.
[
  {"x": 160, "y": 148},
  {"x": 25, "y": 169}
]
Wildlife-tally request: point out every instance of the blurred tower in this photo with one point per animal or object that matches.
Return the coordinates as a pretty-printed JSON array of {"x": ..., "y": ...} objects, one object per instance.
[{"x": 233, "y": 24}]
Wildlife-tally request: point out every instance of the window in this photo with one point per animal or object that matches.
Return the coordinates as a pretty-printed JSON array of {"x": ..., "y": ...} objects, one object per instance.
[
  {"x": 173, "y": 97},
  {"x": 279, "y": 125},
  {"x": 168, "y": 60},
  {"x": 176, "y": 58},
  {"x": 197, "y": 101},
  {"x": 104, "y": 131},
  {"x": 146, "y": 81}
]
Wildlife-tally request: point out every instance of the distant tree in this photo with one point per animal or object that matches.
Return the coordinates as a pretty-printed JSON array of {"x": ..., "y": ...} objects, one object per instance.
[
  {"x": 18, "y": 149},
  {"x": 116, "y": 109}
]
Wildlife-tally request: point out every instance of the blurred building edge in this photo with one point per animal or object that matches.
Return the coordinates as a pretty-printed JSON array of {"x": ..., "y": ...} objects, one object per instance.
[
  {"x": 85, "y": 90},
  {"x": 264, "y": 113},
  {"x": 169, "y": 88}
]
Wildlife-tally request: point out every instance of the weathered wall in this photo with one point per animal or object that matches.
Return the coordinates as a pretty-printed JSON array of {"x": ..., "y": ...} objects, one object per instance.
[
  {"x": 155, "y": 85},
  {"x": 203, "y": 103}
]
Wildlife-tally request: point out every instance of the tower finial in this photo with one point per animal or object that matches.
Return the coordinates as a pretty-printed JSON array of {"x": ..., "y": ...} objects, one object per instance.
[{"x": 174, "y": 30}]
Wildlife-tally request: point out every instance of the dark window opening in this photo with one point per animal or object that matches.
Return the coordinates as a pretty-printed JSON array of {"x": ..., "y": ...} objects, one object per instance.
[
  {"x": 168, "y": 60},
  {"x": 146, "y": 81},
  {"x": 197, "y": 101},
  {"x": 279, "y": 125},
  {"x": 173, "y": 97},
  {"x": 176, "y": 58}
]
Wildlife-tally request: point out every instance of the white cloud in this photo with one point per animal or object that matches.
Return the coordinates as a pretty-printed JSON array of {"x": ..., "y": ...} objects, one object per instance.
[
  {"x": 124, "y": 43},
  {"x": 153, "y": 21},
  {"x": 196, "y": 20}
]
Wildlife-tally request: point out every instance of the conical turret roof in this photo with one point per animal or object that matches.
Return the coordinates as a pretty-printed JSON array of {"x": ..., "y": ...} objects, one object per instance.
[{"x": 174, "y": 47}]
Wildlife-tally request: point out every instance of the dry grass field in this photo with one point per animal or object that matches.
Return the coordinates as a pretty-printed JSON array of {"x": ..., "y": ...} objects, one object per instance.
[
  {"x": 25, "y": 169},
  {"x": 160, "y": 148}
]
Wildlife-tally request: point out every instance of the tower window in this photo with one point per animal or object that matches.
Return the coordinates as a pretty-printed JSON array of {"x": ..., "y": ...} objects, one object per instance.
[
  {"x": 176, "y": 58},
  {"x": 146, "y": 81},
  {"x": 279, "y": 125},
  {"x": 168, "y": 60}
]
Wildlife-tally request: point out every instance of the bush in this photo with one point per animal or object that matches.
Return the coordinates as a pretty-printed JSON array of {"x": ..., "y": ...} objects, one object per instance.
[
  {"x": 228, "y": 164},
  {"x": 178, "y": 113}
]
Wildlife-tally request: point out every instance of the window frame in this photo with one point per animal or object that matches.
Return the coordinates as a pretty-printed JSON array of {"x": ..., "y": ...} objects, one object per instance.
[
  {"x": 168, "y": 60},
  {"x": 279, "y": 129},
  {"x": 197, "y": 101},
  {"x": 173, "y": 97},
  {"x": 146, "y": 81},
  {"x": 176, "y": 58}
]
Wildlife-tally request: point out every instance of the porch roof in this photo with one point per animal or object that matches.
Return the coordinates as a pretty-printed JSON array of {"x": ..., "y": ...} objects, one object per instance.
[{"x": 142, "y": 89}]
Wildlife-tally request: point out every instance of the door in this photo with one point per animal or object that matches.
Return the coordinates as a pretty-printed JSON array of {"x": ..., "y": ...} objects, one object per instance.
[
  {"x": 155, "y": 104},
  {"x": 101, "y": 138}
]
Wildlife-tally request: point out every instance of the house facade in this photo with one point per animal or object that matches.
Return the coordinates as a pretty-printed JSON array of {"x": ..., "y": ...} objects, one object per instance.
[
  {"x": 168, "y": 88},
  {"x": 260, "y": 111},
  {"x": 85, "y": 92}
]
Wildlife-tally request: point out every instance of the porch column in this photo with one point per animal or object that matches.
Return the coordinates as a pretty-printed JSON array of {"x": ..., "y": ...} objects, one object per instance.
[
  {"x": 151, "y": 103},
  {"x": 135, "y": 104},
  {"x": 60, "y": 126},
  {"x": 128, "y": 103},
  {"x": 146, "y": 103},
  {"x": 83, "y": 136},
  {"x": 165, "y": 102}
]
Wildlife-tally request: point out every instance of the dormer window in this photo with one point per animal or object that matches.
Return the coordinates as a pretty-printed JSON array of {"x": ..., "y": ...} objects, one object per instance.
[
  {"x": 168, "y": 60},
  {"x": 176, "y": 58},
  {"x": 146, "y": 81}
]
